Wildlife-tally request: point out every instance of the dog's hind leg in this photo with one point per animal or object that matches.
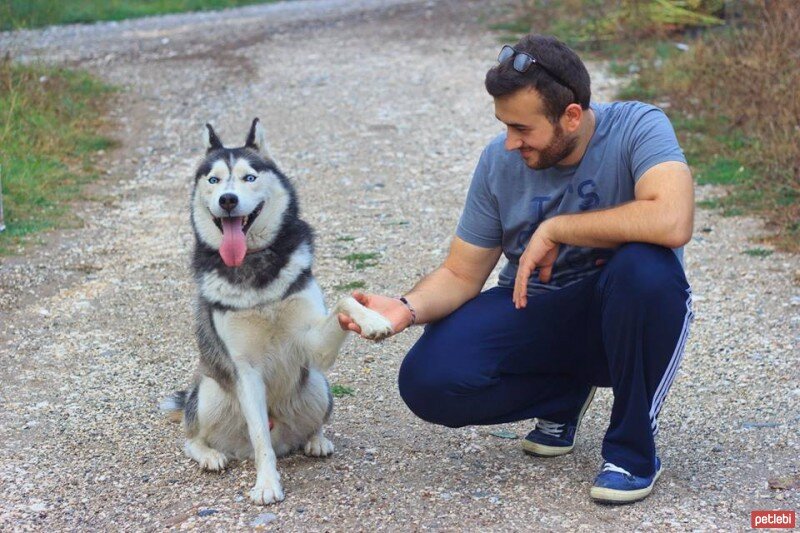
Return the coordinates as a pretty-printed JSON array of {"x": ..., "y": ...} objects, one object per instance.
[
  {"x": 318, "y": 398},
  {"x": 207, "y": 458},
  {"x": 205, "y": 404},
  {"x": 318, "y": 445}
]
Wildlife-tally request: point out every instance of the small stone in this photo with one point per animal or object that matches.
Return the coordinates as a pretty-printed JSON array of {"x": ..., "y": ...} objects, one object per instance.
[
  {"x": 716, "y": 448},
  {"x": 504, "y": 434},
  {"x": 751, "y": 425},
  {"x": 785, "y": 482},
  {"x": 263, "y": 519},
  {"x": 206, "y": 512}
]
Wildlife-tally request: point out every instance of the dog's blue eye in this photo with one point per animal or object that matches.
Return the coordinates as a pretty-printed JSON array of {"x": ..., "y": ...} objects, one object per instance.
[
  {"x": 250, "y": 178},
  {"x": 213, "y": 179}
]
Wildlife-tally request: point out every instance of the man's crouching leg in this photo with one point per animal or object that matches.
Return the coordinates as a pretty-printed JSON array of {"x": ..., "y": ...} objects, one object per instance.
[
  {"x": 645, "y": 318},
  {"x": 489, "y": 363}
]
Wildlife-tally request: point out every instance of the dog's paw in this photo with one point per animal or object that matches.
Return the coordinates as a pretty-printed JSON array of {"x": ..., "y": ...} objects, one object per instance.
[
  {"x": 373, "y": 325},
  {"x": 265, "y": 495},
  {"x": 207, "y": 458},
  {"x": 319, "y": 446},
  {"x": 213, "y": 460}
]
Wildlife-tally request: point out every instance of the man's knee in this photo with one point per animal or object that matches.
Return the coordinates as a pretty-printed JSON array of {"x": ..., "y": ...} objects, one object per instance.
[
  {"x": 644, "y": 270},
  {"x": 426, "y": 388}
]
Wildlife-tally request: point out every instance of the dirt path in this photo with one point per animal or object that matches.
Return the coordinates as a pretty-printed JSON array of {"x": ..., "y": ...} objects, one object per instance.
[{"x": 376, "y": 109}]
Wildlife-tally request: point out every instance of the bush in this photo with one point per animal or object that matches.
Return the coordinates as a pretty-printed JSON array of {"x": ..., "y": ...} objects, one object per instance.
[
  {"x": 593, "y": 24},
  {"x": 743, "y": 85}
]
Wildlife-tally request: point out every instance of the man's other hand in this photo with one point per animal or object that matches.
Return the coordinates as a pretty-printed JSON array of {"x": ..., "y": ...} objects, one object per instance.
[{"x": 540, "y": 253}]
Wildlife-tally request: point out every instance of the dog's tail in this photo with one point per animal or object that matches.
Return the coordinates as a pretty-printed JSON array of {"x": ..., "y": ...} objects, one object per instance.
[{"x": 173, "y": 405}]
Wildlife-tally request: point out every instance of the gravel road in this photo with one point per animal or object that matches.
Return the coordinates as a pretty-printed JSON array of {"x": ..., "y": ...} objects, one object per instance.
[{"x": 376, "y": 109}]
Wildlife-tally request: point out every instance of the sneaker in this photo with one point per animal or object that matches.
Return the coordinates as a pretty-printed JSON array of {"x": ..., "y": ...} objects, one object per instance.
[
  {"x": 551, "y": 439},
  {"x": 616, "y": 485}
]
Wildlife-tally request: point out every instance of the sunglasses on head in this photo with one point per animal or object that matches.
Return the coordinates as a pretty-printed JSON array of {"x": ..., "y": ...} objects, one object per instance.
[{"x": 523, "y": 61}]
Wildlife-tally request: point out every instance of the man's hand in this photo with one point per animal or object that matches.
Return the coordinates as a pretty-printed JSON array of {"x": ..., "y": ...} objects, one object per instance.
[
  {"x": 392, "y": 309},
  {"x": 540, "y": 253}
]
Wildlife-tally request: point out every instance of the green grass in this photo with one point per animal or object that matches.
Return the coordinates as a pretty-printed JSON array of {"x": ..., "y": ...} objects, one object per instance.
[
  {"x": 49, "y": 120},
  {"x": 758, "y": 252},
  {"x": 721, "y": 171},
  {"x": 342, "y": 390},
  {"x": 351, "y": 286},
  {"x": 16, "y": 14},
  {"x": 636, "y": 91},
  {"x": 361, "y": 261}
]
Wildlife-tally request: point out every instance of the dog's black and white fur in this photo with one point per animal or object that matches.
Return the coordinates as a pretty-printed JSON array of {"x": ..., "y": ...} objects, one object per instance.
[{"x": 262, "y": 329}]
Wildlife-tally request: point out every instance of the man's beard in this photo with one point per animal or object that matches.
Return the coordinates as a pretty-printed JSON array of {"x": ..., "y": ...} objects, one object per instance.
[{"x": 559, "y": 148}]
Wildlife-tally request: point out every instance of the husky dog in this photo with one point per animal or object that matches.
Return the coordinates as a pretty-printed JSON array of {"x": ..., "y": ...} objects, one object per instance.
[{"x": 264, "y": 335}]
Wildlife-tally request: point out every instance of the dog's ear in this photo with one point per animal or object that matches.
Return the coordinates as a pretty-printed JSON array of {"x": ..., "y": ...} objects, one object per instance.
[
  {"x": 211, "y": 140},
  {"x": 257, "y": 140}
]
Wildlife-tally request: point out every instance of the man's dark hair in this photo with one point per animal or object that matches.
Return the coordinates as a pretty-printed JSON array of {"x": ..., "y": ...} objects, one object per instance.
[{"x": 503, "y": 79}]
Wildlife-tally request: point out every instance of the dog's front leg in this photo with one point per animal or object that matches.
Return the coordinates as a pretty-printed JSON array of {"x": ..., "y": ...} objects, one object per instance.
[
  {"x": 373, "y": 325},
  {"x": 252, "y": 396},
  {"x": 327, "y": 337}
]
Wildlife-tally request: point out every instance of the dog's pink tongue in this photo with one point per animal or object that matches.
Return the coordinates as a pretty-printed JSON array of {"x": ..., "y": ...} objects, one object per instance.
[{"x": 233, "y": 247}]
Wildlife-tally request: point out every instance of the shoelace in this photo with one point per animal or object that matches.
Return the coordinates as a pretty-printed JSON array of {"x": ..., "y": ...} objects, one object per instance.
[
  {"x": 552, "y": 429},
  {"x": 611, "y": 467}
]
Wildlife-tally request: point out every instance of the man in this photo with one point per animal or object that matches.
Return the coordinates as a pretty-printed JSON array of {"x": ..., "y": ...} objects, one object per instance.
[{"x": 591, "y": 205}]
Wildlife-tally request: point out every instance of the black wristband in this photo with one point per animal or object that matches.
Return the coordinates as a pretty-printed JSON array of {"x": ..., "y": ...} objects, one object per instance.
[{"x": 410, "y": 308}]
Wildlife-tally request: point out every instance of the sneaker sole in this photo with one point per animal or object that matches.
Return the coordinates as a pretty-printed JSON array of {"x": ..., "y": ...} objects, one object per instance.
[
  {"x": 613, "y": 496},
  {"x": 542, "y": 450}
]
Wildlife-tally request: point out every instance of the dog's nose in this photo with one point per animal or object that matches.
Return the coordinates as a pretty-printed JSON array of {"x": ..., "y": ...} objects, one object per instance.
[{"x": 228, "y": 201}]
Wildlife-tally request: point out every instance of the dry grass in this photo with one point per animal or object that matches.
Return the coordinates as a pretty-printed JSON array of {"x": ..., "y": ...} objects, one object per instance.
[
  {"x": 741, "y": 91},
  {"x": 599, "y": 24}
]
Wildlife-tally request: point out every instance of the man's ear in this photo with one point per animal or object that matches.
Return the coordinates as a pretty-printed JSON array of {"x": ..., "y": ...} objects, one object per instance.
[
  {"x": 211, "y": 140},
  {"x": 257, "y": 140},
  {"x": 572, "y": 117}
]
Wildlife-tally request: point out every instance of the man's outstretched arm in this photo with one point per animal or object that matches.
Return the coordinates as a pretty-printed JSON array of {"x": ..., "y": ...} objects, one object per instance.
[{"x": 459, "y": 279}]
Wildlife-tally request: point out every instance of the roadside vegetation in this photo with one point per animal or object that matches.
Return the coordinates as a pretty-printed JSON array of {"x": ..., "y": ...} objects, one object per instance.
[
  {"x": 727, "y": 73},
  {"x": 16, "y": 14},
  {"x": 49, "y": 123}
]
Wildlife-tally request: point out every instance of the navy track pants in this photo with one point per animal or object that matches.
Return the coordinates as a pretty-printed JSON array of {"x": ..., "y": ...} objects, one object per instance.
[{"x": 623, "y": 327}]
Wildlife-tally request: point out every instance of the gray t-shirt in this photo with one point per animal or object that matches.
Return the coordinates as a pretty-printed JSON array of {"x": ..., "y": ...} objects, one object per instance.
[{"x": 507, "y": 199}]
